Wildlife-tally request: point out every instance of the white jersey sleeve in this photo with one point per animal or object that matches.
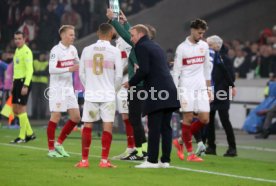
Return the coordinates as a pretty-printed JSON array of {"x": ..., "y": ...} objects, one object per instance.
[
  {"x": 177, "y": 65},
  {"x": 82, "y": 68},
  {"x": 53, "y": 67},
  {"x": 118, "y": 69}
]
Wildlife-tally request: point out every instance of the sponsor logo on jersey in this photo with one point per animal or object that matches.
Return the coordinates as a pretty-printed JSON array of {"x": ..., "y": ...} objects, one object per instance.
[
  {"x": 193, "y": 60},
  {"x": 65, "y": 63}
]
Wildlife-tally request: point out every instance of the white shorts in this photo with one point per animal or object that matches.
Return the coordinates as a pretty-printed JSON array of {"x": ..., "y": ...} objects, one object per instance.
[
  {"x": 194, "y": 101},
  {"x": 62, "y": 105},
  {"x": 95, "y": 111},
  {"x": 122, "y": 103}
]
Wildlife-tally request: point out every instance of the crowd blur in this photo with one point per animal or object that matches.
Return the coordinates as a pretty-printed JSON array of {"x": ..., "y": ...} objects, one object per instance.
[
  {"x": 40, "y": 20},
  {"x": 255, "y": 59}
]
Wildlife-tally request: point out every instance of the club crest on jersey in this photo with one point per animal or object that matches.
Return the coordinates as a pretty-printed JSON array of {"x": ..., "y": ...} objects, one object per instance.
[
  {"x": 58, "y": 105},
  {"x": 201, "y": 50}
]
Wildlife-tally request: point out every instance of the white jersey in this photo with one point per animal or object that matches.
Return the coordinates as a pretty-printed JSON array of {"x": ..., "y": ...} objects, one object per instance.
[
  {"x": 192, "y": 65},
  {"x": 61, "y": 94},
  {"x": 61, "y": 58},
  {"x": 100, "y": 71},
  {"x": 125, "y": 49}
]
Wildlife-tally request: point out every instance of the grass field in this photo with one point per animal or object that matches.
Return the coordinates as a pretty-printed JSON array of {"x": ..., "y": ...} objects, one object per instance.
[{"x": 28, "y": 164}]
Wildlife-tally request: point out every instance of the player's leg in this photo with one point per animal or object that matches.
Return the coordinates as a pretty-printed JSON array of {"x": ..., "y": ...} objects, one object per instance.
[
  {"x": 107, "y": 113},
  {"x": 122, "y": 107},
  {"x": 86, "y": 142},
  {"x": 52, "y": 125},
  {"x": 17, "y": 110},
  {"x": 135, "y": 112},
  {"x": 91, "y": 113},
  {"x": 74, "y": 118}
]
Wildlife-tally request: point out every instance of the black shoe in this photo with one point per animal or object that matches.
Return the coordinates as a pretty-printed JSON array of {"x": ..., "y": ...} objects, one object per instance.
[
  {"x": 231, "y": 152},
  {"x": 31, "y": 137},
  {"x": 263, "y": 135},
  {"x": 18, "y": 140},
  {"x": 145, "y": 154},
  {"x": 133, "y": 158},
  {"x": 210, "y": 151}
]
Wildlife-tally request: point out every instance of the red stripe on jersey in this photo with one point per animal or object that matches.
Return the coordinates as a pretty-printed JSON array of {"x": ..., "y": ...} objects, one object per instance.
[
  {"x": 123, "y": 54},
  {"x": 65, "y": 63},
  {"x": 193, "y": 60}
]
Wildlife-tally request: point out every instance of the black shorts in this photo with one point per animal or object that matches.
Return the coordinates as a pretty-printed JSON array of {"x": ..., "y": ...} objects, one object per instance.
[{"x": 17, "y": 98}]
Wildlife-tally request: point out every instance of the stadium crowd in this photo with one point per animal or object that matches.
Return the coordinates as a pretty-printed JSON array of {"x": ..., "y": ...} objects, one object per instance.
[{"x": 40, "y": 20}]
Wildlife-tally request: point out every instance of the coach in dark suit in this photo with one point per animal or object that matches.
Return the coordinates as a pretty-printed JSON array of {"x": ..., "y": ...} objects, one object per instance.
[
  {"x": 223, "y": 81},
  {"x": 160, "y": 99}
]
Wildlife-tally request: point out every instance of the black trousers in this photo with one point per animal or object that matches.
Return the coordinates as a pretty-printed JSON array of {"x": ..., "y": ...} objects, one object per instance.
[
  {"x": 224, "y": 118},
  {"x": 135, "y": 117},
  {"x": 159, "y": 125}
]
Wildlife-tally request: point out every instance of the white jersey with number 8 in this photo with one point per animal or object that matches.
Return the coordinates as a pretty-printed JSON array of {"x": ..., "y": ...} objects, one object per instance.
[{"x": 100, "y": 67}]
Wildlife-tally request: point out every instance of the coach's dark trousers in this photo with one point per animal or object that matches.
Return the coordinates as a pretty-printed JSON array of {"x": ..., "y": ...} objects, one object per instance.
[
  {"x": 135, "y": 116},
  {"x": 159, "y": 125},
  {"x": 224, "y": 118}
]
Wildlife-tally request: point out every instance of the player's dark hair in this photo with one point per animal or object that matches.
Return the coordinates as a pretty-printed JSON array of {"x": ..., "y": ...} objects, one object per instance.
[
  {"x": 199, "y": 23},
  {"x": 105, "y": 28},
  {"x": 20, "y": 33}
]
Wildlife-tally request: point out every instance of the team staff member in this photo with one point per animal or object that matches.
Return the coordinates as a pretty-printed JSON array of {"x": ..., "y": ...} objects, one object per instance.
[
  {"x": 222, "y": 79},
  {"x": 153, "y": 69},
  {"x": 23, "y": 72},
  {"x": 135, "y": 105}
]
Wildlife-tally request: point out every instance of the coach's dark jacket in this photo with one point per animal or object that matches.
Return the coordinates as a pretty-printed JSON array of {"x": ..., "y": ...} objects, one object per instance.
[
  {"x": 223, "y": 77},
  {"x": 153, "y": 69}
]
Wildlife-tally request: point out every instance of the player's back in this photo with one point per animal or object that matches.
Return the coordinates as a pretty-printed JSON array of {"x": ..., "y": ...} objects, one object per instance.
[{"x": 99, "y": 61}]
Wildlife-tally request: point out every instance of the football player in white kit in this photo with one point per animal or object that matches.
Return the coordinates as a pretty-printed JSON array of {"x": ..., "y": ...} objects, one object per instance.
[
  {"x": 192, "y": 76},
  {"x": 101, "y": 72},
  {"x": 122, "y": 103},
  {"x": 63, "y": 61}
]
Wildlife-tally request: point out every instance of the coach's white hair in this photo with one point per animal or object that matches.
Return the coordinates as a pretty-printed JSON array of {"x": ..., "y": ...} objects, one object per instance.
[{"x": 216, "y": 40}]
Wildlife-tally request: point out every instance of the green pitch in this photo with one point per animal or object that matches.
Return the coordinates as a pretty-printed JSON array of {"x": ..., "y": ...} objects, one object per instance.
[{"x": 28, "y": 164}]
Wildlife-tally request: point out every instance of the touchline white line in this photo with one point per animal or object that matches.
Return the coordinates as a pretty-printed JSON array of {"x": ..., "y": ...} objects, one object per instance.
[{"x": 172, "y": 167}]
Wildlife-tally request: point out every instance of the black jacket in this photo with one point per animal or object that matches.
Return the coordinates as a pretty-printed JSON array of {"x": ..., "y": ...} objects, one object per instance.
[
  {"x": 223, "y": 77},
  {"x": 153, "y": 69}
]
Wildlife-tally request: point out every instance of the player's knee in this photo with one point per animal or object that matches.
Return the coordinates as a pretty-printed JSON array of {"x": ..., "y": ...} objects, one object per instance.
[
  {"x": 205, "y": 121},
  {"x": 76, "y": 119}
]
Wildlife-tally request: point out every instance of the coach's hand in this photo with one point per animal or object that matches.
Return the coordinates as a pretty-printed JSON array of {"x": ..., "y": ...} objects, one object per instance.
[
  {"x": 24, "y": 90},
  {"x": 122, "y": 17},
  {"x": 109, "y": 14},
  {"x": 74, "y": 68}
]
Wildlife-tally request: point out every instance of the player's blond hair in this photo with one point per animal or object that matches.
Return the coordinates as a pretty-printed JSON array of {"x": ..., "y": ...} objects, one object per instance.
[
  {"x": 140, "y": 28},
  {"x": 64, "y": 28}
]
